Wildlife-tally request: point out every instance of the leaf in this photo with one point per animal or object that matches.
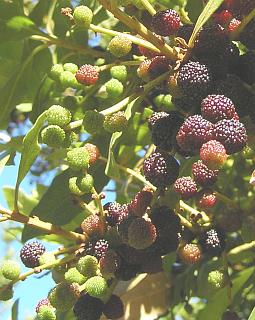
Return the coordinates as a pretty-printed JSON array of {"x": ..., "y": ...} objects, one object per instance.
[
  {"x": 252, "y": 315},
  {"x": 15, "y": 311},
  {"x": 209, "y": 9},
  {"x": 30, "y": 151},
  {"x": 3, "y": 161},
  {"x": 219, "y": 302}
]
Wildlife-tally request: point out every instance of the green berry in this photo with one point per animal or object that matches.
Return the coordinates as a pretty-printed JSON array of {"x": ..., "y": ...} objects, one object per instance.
[
  {"x": 120, "y": 46},
  {"x": 47, "y": 258},
  {"x": 63, "y": 296},
  {"x": 87, "y": 266},
  {"x": 115, "y": 122},
  {"x": 85, "y": 183},
  {"x": 78, "y": 158},
  {"x": 119, "y": 73},
  {"x": 216, "y": 279},
  {"x": 114, "y": 88},
  {"x": 96, "y": 287},
  {"x": 56, "y": 71},
  {"x": 10, "y": 269},
  {"x": 46, "y": 313},
  {"x": 6, "y": 294},
  {"x": 58, "y": 115},
  {"x": 71, "y": 67},
  {"x": 93, "y": 121},
  {"x": 74, "y": 276},
  {"x": 82, "y": 16},
  {"x": 67, "y": 79},
  {"x": 163, "y": 101},
  {"x": 53, "y": 136},
  {"x": 73, "y": 187},
  {"x": 69, "y": 139}
]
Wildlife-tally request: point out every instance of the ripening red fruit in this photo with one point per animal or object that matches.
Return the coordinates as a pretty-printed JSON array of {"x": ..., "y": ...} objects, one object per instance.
[{"x": 87, "y": 75}]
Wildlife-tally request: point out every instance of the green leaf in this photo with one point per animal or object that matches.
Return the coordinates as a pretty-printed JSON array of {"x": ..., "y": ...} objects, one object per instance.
[
  {"x": 15, "y": 310},
  {"x": 209, "y": 9},
  {"x": 30, "y": 151},
  {"x": 252, "y": 315},
  {"x": 4, "y": 161},
  {"x": 219, "y": 302}
]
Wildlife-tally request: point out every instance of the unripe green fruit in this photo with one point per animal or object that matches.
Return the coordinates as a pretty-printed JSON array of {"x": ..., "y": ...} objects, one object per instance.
[
  {"x": 10, "y": 270},
  {"x": 74, "y": 276},
  {"x": 71, "y": 67},
  {"x": 63, "y": 296},
  {"x": 58, "y": 273},
  {"x": 85, "y": 183},
  {"x": 53, "y": 136},
  {"x": 87, "y": 266},
  {"x": 46, "y": 313},
  {"x": 93, "y": 121},
  {"x": 120, "y": 46},
  {"x": 96, "y": 287},
  {"x": 114, "y": 88},
  {"x": 78, "y": 158},
  {"x": 82, "y": 16},
  {"x": 56, "y": 71},
  {"x": 164, "y": 101},
  {"x": 73, "y": 187},
  {"x": 216, "y": 279},
  {"x": 115, "y": 122},
  {"x": 119, "y": 73},
  {"x": 67, "y": 79},
  {"x": 6, "y": 294},
  {"x": 58, "y": 115},
  {"x": 70, "y": 138},
  {"x": 47, "y": 258}
]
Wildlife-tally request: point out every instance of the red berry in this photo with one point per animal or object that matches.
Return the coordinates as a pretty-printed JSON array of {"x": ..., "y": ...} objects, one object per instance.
[
  {"x": 206, "y": 199},
  {"x": 186, "y": 187},
  {"x": 43, "y": 302},
  {"x": 31, "y": 252},
  {"x": 93, "y": 225},
  {"x": 203, "y": 175},
  {"x": 213, "y": 154},
  {"x": 223, "y": 17},
  {"x": 233, "y": 24},
  {"x": 166, "y": 23},
  {"x": 87, "y": 74},
  {"x": 93, "y": 151},
  {"x": 190, "y": 253},
  {"x": 141, "y": 201}
]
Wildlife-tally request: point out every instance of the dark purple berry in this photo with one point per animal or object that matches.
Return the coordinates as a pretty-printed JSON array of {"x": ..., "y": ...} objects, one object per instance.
[
  {"x": 203, "y": 175},
  {"x": 186, "y": 187},
  {"x": 31, "y": 252},
  {"x": 166, "y": 23},
  {"x": 114, "y": 308},
  {"x": 212, "y": 242},
  {"x": 114, "y": 212},
  {"x": 100, "y": 249},
  {"x": 88, "y": 308}
]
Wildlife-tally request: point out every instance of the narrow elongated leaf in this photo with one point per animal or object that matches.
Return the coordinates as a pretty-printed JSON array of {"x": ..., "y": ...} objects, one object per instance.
[
  {"x": 15, "y": 310},
  {"x": 209, "y": 9},
  {"x": 3, "y": 161},
  {"x": 252, "y": 315}
]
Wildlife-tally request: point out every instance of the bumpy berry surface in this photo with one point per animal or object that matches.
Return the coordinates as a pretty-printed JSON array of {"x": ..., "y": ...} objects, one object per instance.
[
  {"x": 193, "y": 133},
  {"x": 101, "y": 247},
  {"x": 82, "y": 16},
  {"x": 155, "y": 117},
  {"x": 46, "y": 313},
  {"x": 73, "y": 186},
  {"x": 85, "y": 183},
  {"x": 190, "y": 253},
  {"x": 87, "y": 266},
  {"x": 53, "y": 136},
  {"x": 120, "y": 46},
  {"x": 232, "y": 134},
  {"x": 96, "y": 286},
  {"x": 72, "y": 275},
  {"x": 93, "y": 151},
  {"x": 217, "y": 107},
  {"x": 88, "y": 308},
  {"x": 213, "y": 154},
  {"x": 67, "y": 79},
  {"x": 93, "y": 121},
  {"x": 140, "y": 202},
  {"x": 93, "y": 225},
  {"x": 151, "y": 68},
  {"x": 56, "y": 71},
  {"x": 161, "y": 169},
  {"x": 206, "y": 199},
  {"x": 212, "y": 242},
  {"x": 78, "y": 158},
  {"x": 87, "y": 75},
  {"x": 113, "y": 214},
  {"x": 58, "y": 115},
  {"x": 114, "y": 88},
  {"x": 43, "y": 302},
  {"x": 6, "y": 294},
  {"x": 72, "y": 67},
  {"x": 216, "y": 279},
  {"x": 10, "y": 269},
  {"x": 109, "y": 263},
  {"x": 115, "y": 122},
  {"x": 31, "y": 252},
  {"x": 141, "y": 233},
  {"x": 119, "y": 72},
  {"x": 203, "y": 175},
  {"x": 186, "y": 187},
  {"x": 63, "y": 296},
  {"x": 166, "y": 23},
  {"x": 114, "y": 308}
]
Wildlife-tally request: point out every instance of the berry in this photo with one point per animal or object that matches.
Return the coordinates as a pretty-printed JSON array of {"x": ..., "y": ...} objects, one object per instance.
[
  {"x": 82, "y": 16},
  {"x": 155, "y": 117},
  {"x": 85, "y": 183},
  {"x": 119, "y": 73},
  {"x": 161, "y": 169},
  {"x": 43, "y": 302},
  {"x": 73, "y": 186},
  {"x": 78, "y": 158},
  {"x": 147, "y": 52},
  {"x": 120, "y": 46},
  {"x": 109, "y": 263},
  {"x": 113, "y": 214},
  {"x": 31, "y": 252},
  {"x": 70, "y": 138},
  {"x": 87, "y": 75},
  {"x": 74, "y": 276},
  {"x": 88, "y": 308},
  {"x": 166, "y": 22},
  {"x": 93, "y": 225},
  {"x": 114, "y": 88},
  {"x": 193, "y": 133},
  {"x": 233, "y": 24},
  {"x": 123, "y": 226},
  {"x": 163, "y": 101},
  {"x": 10, "y": 270},
  {"x": 114, "y": 308},
  {"x": 46, "y": 313},
  {"x": 71, "y": 67},
  {"x": 186, "y": 187},
  {"x": 190, "y": 253},
  {"x": 247, "y": 36},
  {"x": 56, "y": 71},
  {"x": 58, "y": 115},
  {"x": 223, "y": 17},
  {"x": 63, "y": 296},
  {"x": 101, "y": 247},
  {"x": 141, "y": 233},
  {"x": 93, "y": 151},
  {"x": 246, "y": 67},
  {"x": 185, "y": 32},
  {"x": 217, "y": 107},
  {"x": 47, "y": 258},
  {"x": 206, "y": 199},
  {"x": 232, "y": 134},
  {"x": 6, "y": 294},
  {"x": 212, "y": 242},
  {"x": 203, "y": 175},
  {"x": 140, "y": 202},
  {"x": 216, "y": 279},
  {"x": 67, "y": 79},
  {"x": 93, "y": 121},
  {"x": 96, "y": 287},
  {"x": 58, "y": 273},
  {"x": 53, "y": 136},
  {"x": 115, "y": 122},
  {"x": 87, "y": 266},
  {"x": 127, "y": 271},
  {"x": 151, "y": 68},
  {"x": 187, "y": 103},
  {"x": 213, "y": 154}
]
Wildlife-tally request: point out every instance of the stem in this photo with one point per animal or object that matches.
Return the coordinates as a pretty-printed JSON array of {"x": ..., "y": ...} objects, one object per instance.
[
  {"x": 226, "y": 200},
  {"x": 185, "y": 222},
  {"x": 97, "y": 199},
  {"x": 229, "y": 284},
  {"x": 50, "y": 22},
  {"x": 147, "y": 5},
  {"x": 241, "y": 248},
  {"x": 235, "y": 34},
  {"x": 47, "y": 227},
  {"x": 125, "y": 63},
  {"x": 194, "y": 214}
]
